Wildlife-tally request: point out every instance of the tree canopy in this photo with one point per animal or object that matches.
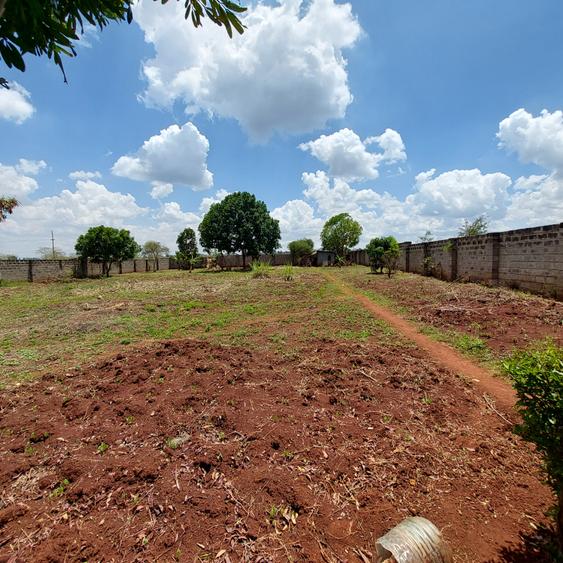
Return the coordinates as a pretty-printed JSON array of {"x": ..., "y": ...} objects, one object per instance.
[
  {"x": 187, "y": 248},
  {"x": 383, "y": 252},
  {"x": 340, "y": 233},
  {"x": 7, "y": 205},
  {"x": 49, "y": 27},
  {"x": 240, "y": 223},
  {"x": 106, "y": 245},
  {"x": 301, "y": 250},
  {"x": 478, "y": 227},
  {"x": 153, "y": 250}
]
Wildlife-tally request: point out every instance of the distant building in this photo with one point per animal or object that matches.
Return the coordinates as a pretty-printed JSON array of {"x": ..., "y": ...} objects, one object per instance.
[{"x": 323, "y": 258}]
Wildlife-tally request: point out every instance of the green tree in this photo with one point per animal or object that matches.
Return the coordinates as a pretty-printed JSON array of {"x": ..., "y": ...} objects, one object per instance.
[
  {"x": 49, "y": 27},
  {"x": 240, "y": 223},
  {"x": 537, "y": 376},
  {"x": 7, "y": 206},
  {"x": 106, "y": 245},
  {"x": 301, "y": 250},
  {"x": 340, "y": 233},
  {"x": 478, "y": 227},
  {"x": 383, "y": 252},
  {"x": 187, "y": 248},
  {"x": 154, "y": 250}
]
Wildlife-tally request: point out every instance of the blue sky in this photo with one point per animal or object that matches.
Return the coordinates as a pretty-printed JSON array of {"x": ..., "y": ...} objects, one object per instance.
[{"x": 321, "y": 107}]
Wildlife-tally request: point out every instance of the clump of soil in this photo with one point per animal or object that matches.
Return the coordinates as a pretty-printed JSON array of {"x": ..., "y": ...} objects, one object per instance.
[
  {"x": 183, "y": 450},
  {"x": 503, "y": 318}
]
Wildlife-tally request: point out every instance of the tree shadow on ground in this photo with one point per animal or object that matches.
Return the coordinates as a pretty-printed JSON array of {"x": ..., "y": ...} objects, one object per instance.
[{"x": 539, "y": 546}]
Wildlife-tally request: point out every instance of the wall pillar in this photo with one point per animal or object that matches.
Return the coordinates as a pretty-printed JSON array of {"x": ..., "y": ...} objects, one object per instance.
[
  {"x": 496, "y": 257},
  {"x": 453, "y": 265},
  {"x": 30, "y": 270}
]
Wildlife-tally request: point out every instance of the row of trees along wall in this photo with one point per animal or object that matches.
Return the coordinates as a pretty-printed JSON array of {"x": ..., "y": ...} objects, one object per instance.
[{"x": 529, "y": 259}]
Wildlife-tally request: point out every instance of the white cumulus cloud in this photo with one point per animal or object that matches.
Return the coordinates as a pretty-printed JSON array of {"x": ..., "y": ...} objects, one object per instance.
[
  {"x": 286, "y": 73},
  {"x": 161, "y": 190},
  {"x": 68, "y": 213},
  {"x": 15, "y": 103},
  {"x": 297, "y": 220},
  {"x": 461, "y": 193},
  {"x": 177, "y": 155},
  {"x": 84, "y": 175},
  {"x": 392, "y": 144},
  {"x": 537, "y": 140},
  {"x": 348, "y": 157},
  {"x": 16, "y": 181}
]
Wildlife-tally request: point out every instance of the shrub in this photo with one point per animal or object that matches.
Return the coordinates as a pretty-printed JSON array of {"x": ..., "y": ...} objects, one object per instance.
[
  {"x": 537, "y": 377},
  {"x": 383, "y": 252},
  {"x": 260, "y": 269},
  {"x": 301, "y": 251},
  {"x": 288, "y": 272}
]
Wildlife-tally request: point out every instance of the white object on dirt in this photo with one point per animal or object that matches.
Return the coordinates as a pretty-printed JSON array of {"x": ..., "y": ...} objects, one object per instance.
[{"x": 414, "y": 540}]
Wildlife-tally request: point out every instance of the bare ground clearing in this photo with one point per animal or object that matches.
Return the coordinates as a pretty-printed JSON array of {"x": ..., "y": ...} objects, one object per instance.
[{"x": 290, "y": 425}]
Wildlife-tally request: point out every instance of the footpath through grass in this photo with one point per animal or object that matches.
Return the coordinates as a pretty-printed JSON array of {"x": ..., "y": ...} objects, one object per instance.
[
  {"x": 485, "y": 323},
  {"x": 56, "y": 326}
]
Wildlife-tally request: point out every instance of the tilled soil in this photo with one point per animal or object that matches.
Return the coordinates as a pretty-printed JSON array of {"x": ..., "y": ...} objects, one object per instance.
[
  {"x": 503, "y": 318},
  {"x": 188, "y": 451}
]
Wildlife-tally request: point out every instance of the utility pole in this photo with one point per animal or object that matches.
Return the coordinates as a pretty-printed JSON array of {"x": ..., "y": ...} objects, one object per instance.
[{"x": 53, "y": 244}]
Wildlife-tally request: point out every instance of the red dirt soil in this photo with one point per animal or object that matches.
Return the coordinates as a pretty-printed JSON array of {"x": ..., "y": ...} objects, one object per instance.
[
  {"x": 446, "y": 356},
  {"x": 503, "y": 318},
  {"x": 274, "y": 458}
]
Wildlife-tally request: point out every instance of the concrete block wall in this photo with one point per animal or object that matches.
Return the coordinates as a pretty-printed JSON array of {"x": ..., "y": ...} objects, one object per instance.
[
  {"x": 416, "y": 259},
  {"x": 532, "y": 259},
  {"x": 14, "y": 270},
  {"x": 36, "y": 270},
  {"x": 529, "y": 259},
  {"x": 44, "y": 270},
  {"x": 475, "y": 258}
]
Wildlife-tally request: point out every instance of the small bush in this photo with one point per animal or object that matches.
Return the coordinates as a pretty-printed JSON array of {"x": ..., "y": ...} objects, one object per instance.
[
  {"x": 288, "y": 272},
  {"x": 537, "y": 377},
  {"x": 260, "y": 269}
]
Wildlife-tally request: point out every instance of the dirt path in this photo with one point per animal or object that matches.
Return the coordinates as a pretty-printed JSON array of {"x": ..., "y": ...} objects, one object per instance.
[{"x": 502, "y": 392}]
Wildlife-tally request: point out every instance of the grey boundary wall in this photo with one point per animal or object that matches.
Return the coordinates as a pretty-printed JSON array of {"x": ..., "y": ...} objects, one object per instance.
[
  {"x": 529, "y": 259},
  {"x": 48, "y": 270}
]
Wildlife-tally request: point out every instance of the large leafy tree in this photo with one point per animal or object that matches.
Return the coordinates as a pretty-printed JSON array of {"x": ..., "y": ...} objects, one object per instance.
[
  {"x": 240, "y": 223},
  {"x": 7, "y": 205},
  {"x": 51, "y": 27},
  {"x": 340, "y": 233},
  {"x": 106, "y": 245},
  {"x": 187, "y": 248},
  {"x": 301, "y": 250}
]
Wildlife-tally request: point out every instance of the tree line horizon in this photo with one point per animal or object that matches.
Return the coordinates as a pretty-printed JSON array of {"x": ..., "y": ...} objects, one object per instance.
[{"x": 241, "y": 223}]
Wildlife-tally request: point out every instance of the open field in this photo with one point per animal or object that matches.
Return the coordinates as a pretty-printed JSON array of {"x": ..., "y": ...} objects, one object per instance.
[{"x": 278, "y": 421}]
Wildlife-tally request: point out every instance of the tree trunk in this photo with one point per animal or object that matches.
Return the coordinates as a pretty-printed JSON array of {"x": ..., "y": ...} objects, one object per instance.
[
  {"x": 243, "y": 260},
  {"x": 560, "y": 519}
]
